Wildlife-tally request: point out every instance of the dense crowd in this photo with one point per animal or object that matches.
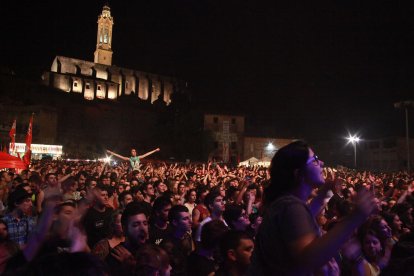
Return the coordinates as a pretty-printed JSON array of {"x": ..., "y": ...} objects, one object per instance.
[{"x": 154, "y": 218}]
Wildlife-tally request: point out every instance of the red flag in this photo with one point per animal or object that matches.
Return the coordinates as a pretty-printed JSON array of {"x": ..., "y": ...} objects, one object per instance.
[
  {"x": 29, "y": 134},
  {"x": 27, "y": 157},
  {"x": 12, "y": 135},
  {"x": 28, "y": 154}
]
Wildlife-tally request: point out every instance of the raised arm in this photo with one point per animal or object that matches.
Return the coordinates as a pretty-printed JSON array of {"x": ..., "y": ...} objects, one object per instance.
[
  {"x": 149, "y": 153},
  {"x": 118, "y": 155}
]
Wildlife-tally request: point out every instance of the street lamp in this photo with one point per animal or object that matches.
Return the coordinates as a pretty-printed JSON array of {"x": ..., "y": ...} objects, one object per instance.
[
  {"x": 270, "y": 147},
  {"x": 353, "y": 139},
  {"x": 406, "y": 105}
]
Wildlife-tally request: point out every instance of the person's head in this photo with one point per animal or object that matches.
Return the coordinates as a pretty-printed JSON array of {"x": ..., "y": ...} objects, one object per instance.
[
  {"x": 120, "y": 188},
  {"x": 180, "y": 218},
  {"x": 69, "y": 185},
  {"x": 212, "y": 233},
  {"x": 4, "y": 234},
  {"x": 133, "y": 152},
  {"x": 51, "y": 179},
  {"x": 371, "y": 245},
  {"x": 65, "y": 213},
  {"x": 101, "y": 195},
  {"x": 152, "y": 260},
  {"x": 236, "y": 217},
  {"x": 214, "y": 202},
  {"x": 191, "y": 196},
  {"x": 105, "y": 180},
  {"x": 293, "y": 165},
  {"x": 26, "y": 187},
  {"x": 181, "y": 188},
  {"x": 91, "y": 182},
  {"x": 134, "y": 182},
  {"x": 393, "y": 221},
  {"x": 124, "y": 198},
  {"x": 116, "y": 224},
  {"x": 160, "y": 186},
  {"x": 161, "y": 207},
  {"x": 35, "y": 181},
  {"x": 135, "y": 223},
  {"x": 81, "y": 178},
  {"x": 236, "y": 248},
  {"x": 20, "y": 200},
  {"x": 380, "y": 226},
  {"x": 136, "y": 193},
  {"x": 147, "y": 189},
  {"x": 6, "y": 177},
  {"x": 202, "y": 192}
]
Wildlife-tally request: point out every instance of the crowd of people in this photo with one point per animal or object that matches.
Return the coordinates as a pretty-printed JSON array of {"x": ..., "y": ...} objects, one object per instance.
[{"x": 297, "y": 217}]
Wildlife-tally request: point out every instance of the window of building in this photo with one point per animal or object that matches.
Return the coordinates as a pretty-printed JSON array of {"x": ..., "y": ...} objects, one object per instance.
[
  {"x": 87, "y": 85},
  {"x": 99, "y": 87},
  {"x": 75, "y": 84},
  {"x": 374, "y": 145},
  {"x": 389, "y": 143},
  {"x": 215, "y": 120}
]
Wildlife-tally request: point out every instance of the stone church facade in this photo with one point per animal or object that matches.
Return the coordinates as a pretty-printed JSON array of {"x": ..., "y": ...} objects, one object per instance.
[{"x": 102, "y": 80}]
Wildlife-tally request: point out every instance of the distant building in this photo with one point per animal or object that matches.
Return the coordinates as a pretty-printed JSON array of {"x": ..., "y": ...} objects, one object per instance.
[
  {"x": 263, "y": 148},
  {"x": 227, "y": 132},
  {"x": 230, "y": 143},
  {"x": 101, "y": 79},
  {"x": 386, "y": 154}
]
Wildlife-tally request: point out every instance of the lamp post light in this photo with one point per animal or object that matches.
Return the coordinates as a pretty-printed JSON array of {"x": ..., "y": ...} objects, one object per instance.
[
  {"x": 270, "y": 149},
  {"x": 406, "y": 105},
  {"x": 353, "y": 139}
]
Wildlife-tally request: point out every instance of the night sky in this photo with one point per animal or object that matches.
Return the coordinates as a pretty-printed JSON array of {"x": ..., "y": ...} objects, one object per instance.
[{"x": 311, "y": 69}]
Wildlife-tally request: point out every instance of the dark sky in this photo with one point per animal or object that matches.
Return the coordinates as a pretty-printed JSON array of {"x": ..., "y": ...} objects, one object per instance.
[{"x": 306, "y": 69}]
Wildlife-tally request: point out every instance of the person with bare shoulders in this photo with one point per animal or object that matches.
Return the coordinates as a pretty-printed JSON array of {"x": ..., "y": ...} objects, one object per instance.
[{"x": 135, "y": 159}]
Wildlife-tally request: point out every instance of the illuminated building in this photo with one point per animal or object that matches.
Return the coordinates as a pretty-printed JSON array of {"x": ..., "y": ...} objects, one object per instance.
[{"x": 101, "y": 79}]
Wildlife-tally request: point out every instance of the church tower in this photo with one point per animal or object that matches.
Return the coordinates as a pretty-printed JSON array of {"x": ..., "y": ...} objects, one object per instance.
[{"x": 103, "y": 53}]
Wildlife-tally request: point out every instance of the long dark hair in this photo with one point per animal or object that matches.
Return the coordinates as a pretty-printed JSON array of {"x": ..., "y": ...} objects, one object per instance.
[{"x": 286, "y": 161}]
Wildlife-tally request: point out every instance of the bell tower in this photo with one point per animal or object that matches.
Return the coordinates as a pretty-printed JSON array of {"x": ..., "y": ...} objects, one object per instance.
[{"x": 103, "y": 53}]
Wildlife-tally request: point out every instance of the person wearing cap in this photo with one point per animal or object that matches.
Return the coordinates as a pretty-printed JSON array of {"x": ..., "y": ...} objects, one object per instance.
[{"x": 20, "y": 225}]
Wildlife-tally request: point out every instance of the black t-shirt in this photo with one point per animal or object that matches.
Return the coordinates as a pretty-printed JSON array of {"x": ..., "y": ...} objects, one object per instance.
[
  {"x": 200, "y": 265},
  {"x": 156, "y": 235},
  {"x": 97, "y": 225}
]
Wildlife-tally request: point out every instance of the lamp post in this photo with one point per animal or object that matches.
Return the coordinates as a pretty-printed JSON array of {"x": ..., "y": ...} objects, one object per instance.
[
  {"x": 270, "y": 148},
  {"x": 353, "y": 139},
  {"x": 406, "y": 105}
]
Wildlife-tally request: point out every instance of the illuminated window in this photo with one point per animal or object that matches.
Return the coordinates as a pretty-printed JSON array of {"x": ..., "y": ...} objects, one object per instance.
[
  {"x": 99, "y": 87},
  {"x": 87, "y": 86},
  {"x": 75, "y": 84}
]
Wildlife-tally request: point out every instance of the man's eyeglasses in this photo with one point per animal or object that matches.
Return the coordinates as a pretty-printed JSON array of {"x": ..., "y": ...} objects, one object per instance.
[{"x": 314, "y": 159}]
